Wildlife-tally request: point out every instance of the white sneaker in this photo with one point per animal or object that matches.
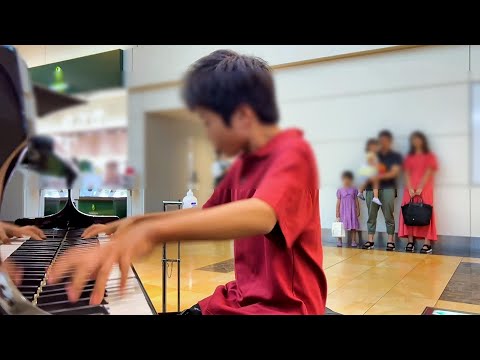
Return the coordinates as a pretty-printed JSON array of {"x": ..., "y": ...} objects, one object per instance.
[{"x": 377, "y": 201}]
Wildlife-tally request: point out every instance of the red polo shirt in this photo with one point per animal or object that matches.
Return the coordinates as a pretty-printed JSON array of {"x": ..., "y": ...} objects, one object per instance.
[{"x": 279, "y": 273}]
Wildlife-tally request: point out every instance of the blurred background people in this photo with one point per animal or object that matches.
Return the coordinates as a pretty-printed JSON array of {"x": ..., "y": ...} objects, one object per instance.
[
  {"x": 420, "y": 167},
  {"x": 348, "y": 208},
  {"x": 113, "y": 178},
  {"x": 90, "y": 182},
  {"x": 371, "y": 169},
  {"x": 387, "y": 191}
]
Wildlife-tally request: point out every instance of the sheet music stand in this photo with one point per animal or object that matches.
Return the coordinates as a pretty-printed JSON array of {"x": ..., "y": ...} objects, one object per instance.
[{"x": 165, "y": 260}]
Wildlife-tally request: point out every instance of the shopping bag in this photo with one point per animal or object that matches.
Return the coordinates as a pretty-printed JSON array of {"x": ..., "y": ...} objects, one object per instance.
[{"x": 338, "y": 230}]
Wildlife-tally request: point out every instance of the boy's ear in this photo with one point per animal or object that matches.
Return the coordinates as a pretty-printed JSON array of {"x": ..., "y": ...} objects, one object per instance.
[{"x": 245, "y": 113}]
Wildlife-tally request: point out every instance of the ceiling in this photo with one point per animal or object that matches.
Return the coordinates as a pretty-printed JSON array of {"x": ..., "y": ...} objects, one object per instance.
[{"x": 36, "y": 55}]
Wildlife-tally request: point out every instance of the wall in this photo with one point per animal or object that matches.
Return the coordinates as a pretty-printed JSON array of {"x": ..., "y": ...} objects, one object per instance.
[
  {"x": 340, "y": 103},
  {"x": 167, "y": 175},
  {"x": 148, "y": 64}
]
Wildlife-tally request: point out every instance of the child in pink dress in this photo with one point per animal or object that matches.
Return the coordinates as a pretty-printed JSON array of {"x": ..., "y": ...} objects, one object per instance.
[{"x": 348, "y": 209}]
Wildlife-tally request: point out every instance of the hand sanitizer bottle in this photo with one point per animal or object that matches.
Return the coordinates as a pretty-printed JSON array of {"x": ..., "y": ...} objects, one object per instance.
[{"x": 189, "y": 201}]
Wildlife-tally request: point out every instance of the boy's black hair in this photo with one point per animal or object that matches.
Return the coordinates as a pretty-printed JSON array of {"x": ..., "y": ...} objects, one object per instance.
[
  {"x": 385, "y": 133},
  {"x": 224, "y": 80},
  {"x": 347, "y": 174},
  {"x": 370, "y": 142}
]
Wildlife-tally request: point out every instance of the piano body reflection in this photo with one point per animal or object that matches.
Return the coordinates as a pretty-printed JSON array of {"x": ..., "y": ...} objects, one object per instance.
[{"x": 18, "y": 104}]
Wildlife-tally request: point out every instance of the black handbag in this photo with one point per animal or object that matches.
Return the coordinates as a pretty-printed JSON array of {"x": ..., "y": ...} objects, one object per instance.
[{"x": 417, "y": 213}]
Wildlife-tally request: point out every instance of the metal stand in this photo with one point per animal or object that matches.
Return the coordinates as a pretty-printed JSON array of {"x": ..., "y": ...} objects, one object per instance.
[{"x": 165, "y": 260}]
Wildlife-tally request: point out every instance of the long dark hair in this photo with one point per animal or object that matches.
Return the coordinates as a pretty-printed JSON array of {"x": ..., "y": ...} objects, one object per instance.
[{"x": 421, "y": 136}]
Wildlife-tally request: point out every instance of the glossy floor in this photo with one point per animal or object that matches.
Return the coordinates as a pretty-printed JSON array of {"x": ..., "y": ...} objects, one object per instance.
[{"x": 359, "y": 282}]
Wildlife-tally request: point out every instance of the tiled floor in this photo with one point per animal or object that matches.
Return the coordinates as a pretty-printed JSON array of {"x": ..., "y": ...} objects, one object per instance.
[{"x": 359, "y": 281}]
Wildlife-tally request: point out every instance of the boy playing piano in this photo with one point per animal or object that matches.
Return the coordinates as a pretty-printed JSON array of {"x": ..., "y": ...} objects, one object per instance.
[{"x": 268, "y": 202}]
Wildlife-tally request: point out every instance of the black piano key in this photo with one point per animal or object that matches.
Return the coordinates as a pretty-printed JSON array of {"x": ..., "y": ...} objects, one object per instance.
[
  {"x": 87, "y": 310},
  {"x": 31, "y": 282},
  {"x": 22, "y": 287},
  {"x": 31, "y": 259},
  {"x": 61, "y": 286},
  {"x": 55, "y": 296}
]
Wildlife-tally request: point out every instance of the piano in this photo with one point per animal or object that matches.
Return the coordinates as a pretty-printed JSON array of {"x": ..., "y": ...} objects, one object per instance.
[{"x": 33, "y": 258}]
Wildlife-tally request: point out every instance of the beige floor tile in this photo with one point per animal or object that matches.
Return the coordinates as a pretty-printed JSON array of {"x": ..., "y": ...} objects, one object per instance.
[
  {"x": 348, "y": 271},
  {"x": 377, "y": 288},
  {"x": 379, "y": 272},
  {"x": 349, "y": 308},
  {"x": 343, "y": 251},
  {"x": 358, "y": 281},
  {"x": 187, "y": 299},
  {"x": 399, "y": 263},
  {"x": 413, "y": 287},
  {"x": 442, "y": 259},
  {"x": 400, "y": 305},
  {"x": 334, "y": 283},
  {"x": 471, "y": 260},
  {"x": 364, "y": 261},
  {"x": 352, "y": 301},
  {"x": 428, "y": 273},
  {"x": 332, "y": 260},
  {"x": 450, "y": 305}
]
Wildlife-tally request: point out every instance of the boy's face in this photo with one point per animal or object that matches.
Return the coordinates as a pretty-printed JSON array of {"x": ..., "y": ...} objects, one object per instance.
[{"x": 227, "y": 140}]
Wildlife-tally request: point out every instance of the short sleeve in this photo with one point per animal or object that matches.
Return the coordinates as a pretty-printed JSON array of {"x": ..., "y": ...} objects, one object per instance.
[
  {"x": 290, "y": 187},
  {"x": 355, "y": 192},
  {"x": 432, "y": 162},
  {"x": 338, "y": 194}
]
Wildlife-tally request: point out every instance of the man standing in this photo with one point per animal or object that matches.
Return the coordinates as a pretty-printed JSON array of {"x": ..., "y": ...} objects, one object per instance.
[{"x": 387, "y": 191}]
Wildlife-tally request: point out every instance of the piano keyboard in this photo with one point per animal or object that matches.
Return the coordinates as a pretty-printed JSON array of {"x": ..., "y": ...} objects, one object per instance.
[{"x": 34, "y": 257}]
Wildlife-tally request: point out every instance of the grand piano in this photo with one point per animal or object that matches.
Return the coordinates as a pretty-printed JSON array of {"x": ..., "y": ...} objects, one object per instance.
[{"x": 20, "y": 103}]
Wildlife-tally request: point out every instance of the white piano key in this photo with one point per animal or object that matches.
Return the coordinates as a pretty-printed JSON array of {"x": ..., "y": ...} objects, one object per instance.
[{"x": 132, "y": 302}]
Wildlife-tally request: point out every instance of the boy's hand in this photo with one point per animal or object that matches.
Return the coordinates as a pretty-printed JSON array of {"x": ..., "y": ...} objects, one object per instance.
[
  {"x": 97, "y": 262},
  {"x": 108, "y": 229},
  {"x": 411, "y": 192},
  {"x": 15, "y": 272},
  {"x": 7, "y": 231}
]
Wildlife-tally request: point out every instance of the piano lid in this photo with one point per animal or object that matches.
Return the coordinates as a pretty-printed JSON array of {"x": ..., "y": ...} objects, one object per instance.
[
  {"x": 49, "y": 101},
  {"x": 20, "y": 105}
]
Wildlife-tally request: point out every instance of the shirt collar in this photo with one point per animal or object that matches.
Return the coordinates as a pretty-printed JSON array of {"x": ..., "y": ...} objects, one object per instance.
[{"x": 267, "y": 149}]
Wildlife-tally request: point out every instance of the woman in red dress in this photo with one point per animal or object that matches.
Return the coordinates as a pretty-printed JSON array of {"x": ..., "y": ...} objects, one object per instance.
[{"x": 419, "y": 168}]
